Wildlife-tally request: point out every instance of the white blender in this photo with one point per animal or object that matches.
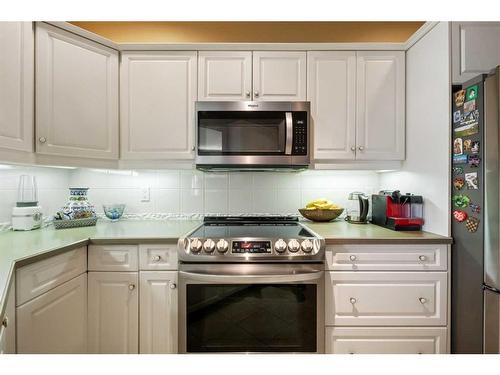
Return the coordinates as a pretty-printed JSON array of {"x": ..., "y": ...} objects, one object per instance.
[{"x": 27, "y": 214}]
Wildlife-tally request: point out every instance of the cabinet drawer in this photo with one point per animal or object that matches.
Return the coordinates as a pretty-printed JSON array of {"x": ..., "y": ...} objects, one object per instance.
[
  {"x": 387, "y": 257},
  {"x": 35, "y": 279},
  {"x": 383, "y": 340},
  {"x": 158, "y": 257},
  {"x": 113, "y": 258},
  {"x": 386, "y": 298}
]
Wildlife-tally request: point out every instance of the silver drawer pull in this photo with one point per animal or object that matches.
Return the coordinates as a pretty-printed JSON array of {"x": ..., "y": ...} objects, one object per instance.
[
  {"x": 173, "y": 285},
  {"x": 131, "y": 286},
  {"x": 422, "y": 258},
  {"x": 42, "y": 139},
  {"x": 352, "y": 300},
  {"x": 156, "y": 258},
  {"x": 422, "y": 300},
  {"x": 353, "y": 257}
]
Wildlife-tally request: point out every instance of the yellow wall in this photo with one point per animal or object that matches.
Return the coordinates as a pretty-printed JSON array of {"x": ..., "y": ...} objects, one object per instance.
[{"x": 248, "y": 32}]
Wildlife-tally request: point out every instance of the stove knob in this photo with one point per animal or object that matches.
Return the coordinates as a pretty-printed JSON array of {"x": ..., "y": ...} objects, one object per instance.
[
  {"x": 280, "y": 246},
  {"x": 293, "y": 246},
  {"x": 209, "y": 246},
  {"x": 307, "y": 246},
  {"x": 195, "y": 245},
  {"x": 222, "y": 246}
]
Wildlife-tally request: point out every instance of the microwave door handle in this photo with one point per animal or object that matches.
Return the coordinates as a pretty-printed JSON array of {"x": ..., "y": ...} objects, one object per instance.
[
  {"x": 237, "y": 279},
  {"x": 289, "y": 133}
]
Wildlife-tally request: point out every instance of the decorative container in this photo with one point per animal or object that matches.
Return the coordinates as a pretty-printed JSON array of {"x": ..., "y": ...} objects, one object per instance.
[
  {"x": 113, "y": 211},
  {"x": 77, "y": 210}
]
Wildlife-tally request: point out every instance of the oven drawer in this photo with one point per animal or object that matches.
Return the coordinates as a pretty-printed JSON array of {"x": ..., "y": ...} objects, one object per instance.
[
  {"x": 113, "y": 258},
  {"x": 158, "y": 257},
  {"x": 383, "y": 340},
  {"x": 387, "y": 257},
  {"x": 386, "y": 298}
]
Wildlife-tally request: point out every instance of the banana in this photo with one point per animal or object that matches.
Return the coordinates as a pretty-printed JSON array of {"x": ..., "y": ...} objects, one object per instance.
[{"x": 321, "y": 204}]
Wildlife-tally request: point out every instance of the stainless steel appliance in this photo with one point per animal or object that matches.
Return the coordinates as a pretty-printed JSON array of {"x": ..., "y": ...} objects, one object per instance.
[
  {"x": 251, "y": 284},
  {"x": 475, "y": 190},
  {"x": 252, "y": 135},
  {"x": 357, "y": 209}
]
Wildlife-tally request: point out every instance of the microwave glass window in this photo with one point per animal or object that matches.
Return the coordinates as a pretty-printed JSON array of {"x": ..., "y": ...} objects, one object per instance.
[
  {"x": 251, "y": 318},
  {"x": 226, "y": 133}
]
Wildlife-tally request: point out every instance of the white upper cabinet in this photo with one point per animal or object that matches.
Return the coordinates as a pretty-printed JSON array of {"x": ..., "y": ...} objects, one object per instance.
[
  {"x": 224, "y": 75},
  {"x": 76, "y": 95},
  {"x": 279, "y": 76},
  {"x": 380, "y": 115},
  {"x": 16, "y": 85},
  {"x": 331, "y": 89},
  {"x": 474, "y": 49},
  {"x": 158, "y": 92}
]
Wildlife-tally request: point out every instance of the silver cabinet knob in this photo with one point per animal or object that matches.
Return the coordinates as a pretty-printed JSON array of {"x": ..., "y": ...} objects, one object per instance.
[
  {"x": 422, "y": 300},
  {"x": 156, "y": 258},
  {"x": 193, "y": 148},
  {"x": 5, "y": 322},
  {"x": 353, "y": 148},
  {"x": 352, "y": 300},
  {"x": 131, "y": 286},
  {"x": 353, "y": 257},
  {"x": 422, "y": 258},
  {"x": 247, "y": 94},
  {"x": 361, "y": 148},
  {"x": 173, "y": 285},
  {"x": 42, "y": 139},
  {"x": 256, "y": 94}
]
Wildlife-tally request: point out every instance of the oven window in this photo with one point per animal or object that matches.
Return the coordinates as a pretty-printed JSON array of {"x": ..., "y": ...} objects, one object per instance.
[
  {"x": 241, "y": 133},
  {"x": 251, "y": 318}
]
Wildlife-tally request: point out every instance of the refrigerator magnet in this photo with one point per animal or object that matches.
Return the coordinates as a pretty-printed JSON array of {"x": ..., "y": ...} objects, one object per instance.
[
  {"x": 475, "y": 208},
  {"x": 459, "y": 98},
  {"x": 467, "y": 145},
  {"x": 471, "y": 181},
  {"x": 457, "y": 116},
  {"x": 460, "y": 215},
  {"x": 458, "y": 183},
  {"x": 458, "y": 146},
  {"x": 474, "y": 161},
  {"x": 471, "y": 92},
  {"x": 461, "y": 201},
  {"x": 474, "y": 148},
  {"x": 457, "y": 171},
  {"x": 469, "y": 106},
  {"x": 467, "y": 129},
  {"x": 460, "y": 159},
  {"x": 472, "y": 224}
]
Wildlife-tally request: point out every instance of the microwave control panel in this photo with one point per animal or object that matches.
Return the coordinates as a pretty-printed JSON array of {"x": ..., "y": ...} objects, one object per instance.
[{"x": 299, "y": 143}]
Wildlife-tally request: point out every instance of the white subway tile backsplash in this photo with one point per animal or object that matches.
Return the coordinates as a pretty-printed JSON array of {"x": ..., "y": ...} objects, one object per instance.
[{"x": 188, "y": 191}]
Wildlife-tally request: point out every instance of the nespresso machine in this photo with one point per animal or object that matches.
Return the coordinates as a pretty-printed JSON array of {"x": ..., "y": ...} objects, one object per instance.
[{"x": 396, "y": 211}]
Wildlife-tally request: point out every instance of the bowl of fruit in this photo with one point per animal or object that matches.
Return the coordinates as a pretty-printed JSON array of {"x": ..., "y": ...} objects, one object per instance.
[{"x": 321, "y": 210}]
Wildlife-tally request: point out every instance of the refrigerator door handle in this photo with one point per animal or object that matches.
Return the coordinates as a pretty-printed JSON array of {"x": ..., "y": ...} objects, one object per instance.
[{"x": 491, "y": 289}]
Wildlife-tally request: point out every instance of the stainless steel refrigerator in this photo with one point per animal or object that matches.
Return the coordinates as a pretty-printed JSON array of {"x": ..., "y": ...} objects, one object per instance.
[{"x": 475, "y": 306}]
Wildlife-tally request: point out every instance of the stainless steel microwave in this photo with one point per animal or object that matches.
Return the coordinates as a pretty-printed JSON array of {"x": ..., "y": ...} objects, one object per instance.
[{"x": 252, "y": 135}]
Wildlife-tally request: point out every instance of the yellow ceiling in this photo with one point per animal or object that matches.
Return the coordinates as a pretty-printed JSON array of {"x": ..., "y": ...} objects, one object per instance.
[{"x": 252, "y": 32}]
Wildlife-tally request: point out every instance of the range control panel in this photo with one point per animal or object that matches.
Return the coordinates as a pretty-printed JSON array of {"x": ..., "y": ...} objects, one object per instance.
[{"x": 251, "y": 247}]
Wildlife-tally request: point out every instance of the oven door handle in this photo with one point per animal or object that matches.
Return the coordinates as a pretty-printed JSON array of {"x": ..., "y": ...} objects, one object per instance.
[
  {"x": 252, "y": 278},
  {"x": 289, "y": 133}
]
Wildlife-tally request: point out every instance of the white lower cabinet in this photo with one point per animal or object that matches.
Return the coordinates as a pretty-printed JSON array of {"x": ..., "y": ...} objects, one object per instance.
[
  {"x": 158, "y": 312},
  {"x": 8, "y": 324},
  {"x": 385, "y": 340},
  {"x": 113, "y": 312},
  {"x": 56, "y": 321}
]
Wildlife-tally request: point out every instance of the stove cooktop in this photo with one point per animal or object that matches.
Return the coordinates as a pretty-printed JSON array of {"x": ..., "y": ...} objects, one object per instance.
[{"x": 251, "y": 238}]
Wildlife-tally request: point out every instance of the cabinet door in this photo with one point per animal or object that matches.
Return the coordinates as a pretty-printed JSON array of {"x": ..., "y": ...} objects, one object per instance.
[
  {"x": 158, "y": 332},
  {"x": 16, "y": 85},
  {"x": 113, "y": 312},
  {"x": 158, "y": 92},
  {"x": 331, "y": 89},
  {"x": 279, "y": 76},
  {"x": 474, "y": 49},
  {"x": 224, "y": 75},
  {"x": 56, "y": 321},
  {"x": 8, "y": 323},
  {"x": 380, "y": 129},
  {"x": 385, "y": 340},
  {"x": 76, "y": 95}
]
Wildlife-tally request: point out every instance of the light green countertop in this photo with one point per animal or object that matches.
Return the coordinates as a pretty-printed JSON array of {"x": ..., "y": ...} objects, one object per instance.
[{"x": 18, "y": 248}]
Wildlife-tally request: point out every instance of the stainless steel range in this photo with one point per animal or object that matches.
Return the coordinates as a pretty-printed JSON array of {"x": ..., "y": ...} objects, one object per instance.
[{"x": 251, "y": 284}]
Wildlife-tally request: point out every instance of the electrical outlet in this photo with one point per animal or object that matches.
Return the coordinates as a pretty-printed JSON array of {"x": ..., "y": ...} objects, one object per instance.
[{"x": 145, "y": 194}]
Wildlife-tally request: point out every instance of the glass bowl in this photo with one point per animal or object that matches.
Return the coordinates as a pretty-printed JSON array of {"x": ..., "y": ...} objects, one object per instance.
[{"x": 113, "y": 211}]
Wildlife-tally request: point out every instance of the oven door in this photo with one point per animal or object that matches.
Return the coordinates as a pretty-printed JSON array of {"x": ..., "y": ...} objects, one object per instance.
[{"x": 273, "y": 308}]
